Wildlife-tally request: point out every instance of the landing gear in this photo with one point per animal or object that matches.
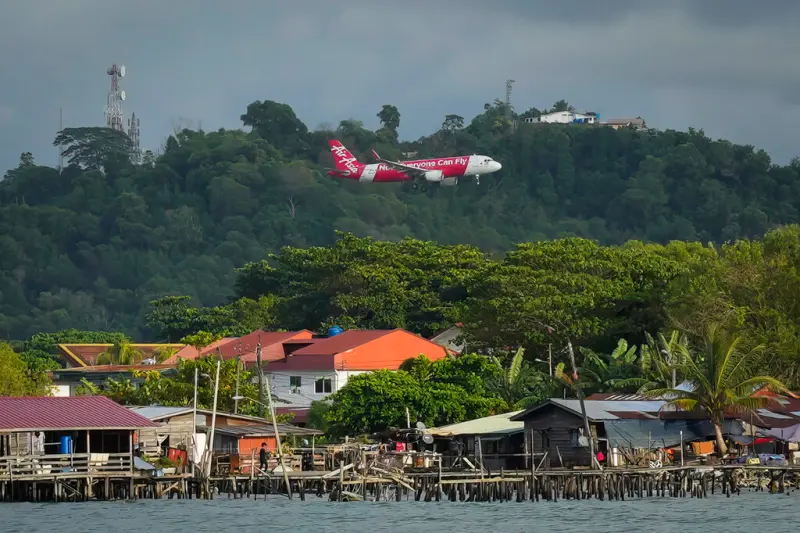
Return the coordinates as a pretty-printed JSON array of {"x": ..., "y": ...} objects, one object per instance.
[
  {"x": 477, "y": 179},
  {"x": 415, "y": 186}
]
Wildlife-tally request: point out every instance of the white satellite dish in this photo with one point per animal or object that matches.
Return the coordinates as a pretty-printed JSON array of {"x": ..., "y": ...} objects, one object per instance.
[
  {"x": 122, "y": 95},
  {"x": 427, "y": 438},
  {"x": 122, "y": 71},
  {"x": 421, "y": 425}
]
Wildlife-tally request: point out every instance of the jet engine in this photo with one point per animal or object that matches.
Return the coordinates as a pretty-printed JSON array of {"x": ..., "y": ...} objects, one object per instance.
[
  {"x": 450, "y": 182},
  {"x": 434, "y": 175}
]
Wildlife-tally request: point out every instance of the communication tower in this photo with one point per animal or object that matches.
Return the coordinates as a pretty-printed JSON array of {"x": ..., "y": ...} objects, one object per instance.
[
  {"x": 60, "y": 147},
  {"x": 133, "y": 134},
  {"x": 509, "y": 83},
  {"x": 115, "y": 98}
]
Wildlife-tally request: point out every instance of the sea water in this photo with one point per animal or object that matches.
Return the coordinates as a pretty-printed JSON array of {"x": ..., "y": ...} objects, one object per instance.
[{"x": 757, "y": 512}]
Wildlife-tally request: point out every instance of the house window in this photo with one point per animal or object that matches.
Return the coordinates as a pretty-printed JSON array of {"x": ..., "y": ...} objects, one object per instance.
[
  {"x": 323, "y": 386},
  {"x": 294, "y": 384}
]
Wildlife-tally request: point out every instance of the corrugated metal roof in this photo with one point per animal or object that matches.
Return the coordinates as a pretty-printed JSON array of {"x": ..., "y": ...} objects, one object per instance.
[
  {"x": 158, "y": 412},
  {"x": 601, "y": 409},
  {"x": 47, "y": 413},
  {"x": 344, "y": 341},
  {"x": 490, "y": 425},
  {"x": 771, "y": 414},
  {"x": 255, "y": 430}
]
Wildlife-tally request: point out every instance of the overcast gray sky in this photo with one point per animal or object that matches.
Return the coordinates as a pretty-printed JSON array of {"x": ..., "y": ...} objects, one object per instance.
[{"x": 730, "y": 67}]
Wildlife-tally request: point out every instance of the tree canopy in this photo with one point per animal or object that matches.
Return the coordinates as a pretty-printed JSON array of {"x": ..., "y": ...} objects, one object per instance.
[{"x": 91, "y": 246}]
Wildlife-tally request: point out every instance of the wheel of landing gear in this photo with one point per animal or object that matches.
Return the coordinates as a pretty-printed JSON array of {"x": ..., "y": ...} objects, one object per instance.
[
  {"x": 414, "y": 186},
  {"x": 423, "y": 189}
]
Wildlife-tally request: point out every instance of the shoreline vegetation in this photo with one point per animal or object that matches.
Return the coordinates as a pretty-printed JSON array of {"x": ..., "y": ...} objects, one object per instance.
[
  {"x": 223, "y": 233},
  {"x": 643, "y": 318}
]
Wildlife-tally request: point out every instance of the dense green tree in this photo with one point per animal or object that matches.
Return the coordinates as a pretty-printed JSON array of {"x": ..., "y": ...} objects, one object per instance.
[
  {"x": 156, "y": 389},
  {"x": 17, "y": 378},
  {"x": 90, "y": 246},
  {"x": 435, "y": 393},
  {"x": 92, "y": 147}
]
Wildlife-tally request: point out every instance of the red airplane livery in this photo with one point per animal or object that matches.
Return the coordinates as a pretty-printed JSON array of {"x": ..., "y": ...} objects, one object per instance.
[{"x": 445, "y": 171}]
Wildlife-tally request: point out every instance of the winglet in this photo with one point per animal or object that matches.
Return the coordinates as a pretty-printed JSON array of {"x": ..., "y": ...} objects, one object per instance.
[{"x": 375, "y": 155}]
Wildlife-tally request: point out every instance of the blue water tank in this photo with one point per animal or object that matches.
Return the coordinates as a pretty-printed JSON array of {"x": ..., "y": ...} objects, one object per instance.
[
  {"x": 334, "y": 330},
  {"x": 66, "y": 445}
]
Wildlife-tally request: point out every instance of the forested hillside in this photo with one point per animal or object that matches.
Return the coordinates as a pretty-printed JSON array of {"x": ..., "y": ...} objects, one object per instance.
[{"x": 92, "y": 246}]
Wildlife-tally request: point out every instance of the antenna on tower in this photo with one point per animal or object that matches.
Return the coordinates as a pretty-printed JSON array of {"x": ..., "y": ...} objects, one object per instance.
[
  {"x": 60, "y": 147},
  {"x": 509, "y": 83},
  {"x": 115, "y": 98}
]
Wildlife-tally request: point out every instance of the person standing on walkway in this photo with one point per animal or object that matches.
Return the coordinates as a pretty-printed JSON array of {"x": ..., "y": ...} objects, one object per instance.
[{"x": 262, "y": 457}]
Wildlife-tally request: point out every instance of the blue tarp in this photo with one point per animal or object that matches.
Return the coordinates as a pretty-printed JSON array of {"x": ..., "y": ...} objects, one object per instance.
[{"x": 662, "y": 433}]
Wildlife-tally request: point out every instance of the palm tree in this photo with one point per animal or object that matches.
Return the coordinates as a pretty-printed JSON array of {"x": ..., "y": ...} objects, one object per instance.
[
  {"x": 515, "y": 383},
  {"x": 657, "y": 363},
  {"x": 720, "y": 379},
  {"x": 164, "y": 352},
  {"x": 120, "y": 353},
  {"x": 601, "y": 372}
]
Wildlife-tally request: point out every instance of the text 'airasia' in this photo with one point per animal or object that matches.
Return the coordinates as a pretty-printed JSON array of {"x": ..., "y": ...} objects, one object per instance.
[{"x": 445, "y": 171}]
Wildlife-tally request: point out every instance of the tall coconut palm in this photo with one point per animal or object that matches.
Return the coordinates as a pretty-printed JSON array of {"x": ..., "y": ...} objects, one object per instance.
[
  {"x": 720, "y": 379},
  {"x": 120, "y": 353}
]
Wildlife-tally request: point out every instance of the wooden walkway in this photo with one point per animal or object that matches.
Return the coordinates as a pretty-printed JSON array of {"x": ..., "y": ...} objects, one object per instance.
[{"x": 81, "y": 478}]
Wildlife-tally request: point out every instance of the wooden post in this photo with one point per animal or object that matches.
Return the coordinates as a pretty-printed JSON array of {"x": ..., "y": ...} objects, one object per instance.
[
  {"x": 341, "y": 480},
  {"x": 260, "y": 380},
  {"x": 89, "y": 466},
  {"x": 579, "y": 390},
  {"x": 194, "y": 424},
  {"x": 278, "y": 439},
  {"x": 236, "y": 395},
  {"x": 364, "y": 474},
  {"x": 210, "y": 446}
]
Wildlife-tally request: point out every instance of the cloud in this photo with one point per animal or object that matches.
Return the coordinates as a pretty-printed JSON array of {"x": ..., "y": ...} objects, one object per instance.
[{"x": 727, "y": 67}]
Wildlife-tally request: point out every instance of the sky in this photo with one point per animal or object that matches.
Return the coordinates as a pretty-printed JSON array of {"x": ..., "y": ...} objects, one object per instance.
[{"x": 729, "y": 67}]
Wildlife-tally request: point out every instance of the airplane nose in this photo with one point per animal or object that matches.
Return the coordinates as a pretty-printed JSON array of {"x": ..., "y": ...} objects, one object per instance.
[{"x": 496, "y": 166}]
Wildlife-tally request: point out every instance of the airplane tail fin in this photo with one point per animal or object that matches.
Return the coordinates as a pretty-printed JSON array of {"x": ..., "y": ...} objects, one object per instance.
[{"x": 344, "y": 160}]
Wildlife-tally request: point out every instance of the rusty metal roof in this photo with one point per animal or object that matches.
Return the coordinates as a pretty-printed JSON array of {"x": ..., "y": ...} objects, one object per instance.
[{"x": 54, "y": 413}]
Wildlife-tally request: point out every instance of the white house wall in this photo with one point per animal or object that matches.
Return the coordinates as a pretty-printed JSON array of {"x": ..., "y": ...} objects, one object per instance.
[{"x": 280, "y": 383}]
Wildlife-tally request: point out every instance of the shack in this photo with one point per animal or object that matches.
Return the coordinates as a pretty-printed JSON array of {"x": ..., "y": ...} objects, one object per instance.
[
  {"x": 40, "y": 436},
  {"x": 494, "y": 441},
  {"x": 625, "y": 431},
  {"x": 235, "y": 436}
]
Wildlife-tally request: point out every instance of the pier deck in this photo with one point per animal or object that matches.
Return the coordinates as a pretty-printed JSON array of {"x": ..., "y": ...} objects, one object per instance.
[{"x": 46, "y": 478}]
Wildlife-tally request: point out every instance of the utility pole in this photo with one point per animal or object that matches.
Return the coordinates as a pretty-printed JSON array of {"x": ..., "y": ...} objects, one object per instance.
[
  {"x": 260, "y": 381},
  {"x": 236, "y": 401},
  {"x": 213, "y": 427},
  {"x": 579, "y": 390},
  {"x": 277, "y": 435},
  {"x": 194, "y": 423}
]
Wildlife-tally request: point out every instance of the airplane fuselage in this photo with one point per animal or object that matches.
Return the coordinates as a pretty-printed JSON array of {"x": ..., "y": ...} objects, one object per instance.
[
  {"x": 459, "y": 166},
  {"x": 444, "y": 170}
]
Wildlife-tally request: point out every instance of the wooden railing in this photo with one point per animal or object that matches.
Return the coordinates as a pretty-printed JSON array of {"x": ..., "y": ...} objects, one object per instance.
[{"x": 16, "y": 466}]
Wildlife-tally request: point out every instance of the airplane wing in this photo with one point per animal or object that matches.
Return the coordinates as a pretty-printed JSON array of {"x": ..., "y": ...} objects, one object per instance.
[{"x": 408, "y": 169}]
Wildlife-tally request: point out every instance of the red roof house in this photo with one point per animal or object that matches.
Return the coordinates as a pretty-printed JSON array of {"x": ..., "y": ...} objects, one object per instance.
[
  {"x": 52, "y": 413},
  {"x": 78, "y": 425}
]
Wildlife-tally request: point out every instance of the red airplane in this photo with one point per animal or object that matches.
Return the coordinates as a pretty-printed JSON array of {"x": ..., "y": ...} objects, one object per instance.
[{"x": 445, "y": 171}]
